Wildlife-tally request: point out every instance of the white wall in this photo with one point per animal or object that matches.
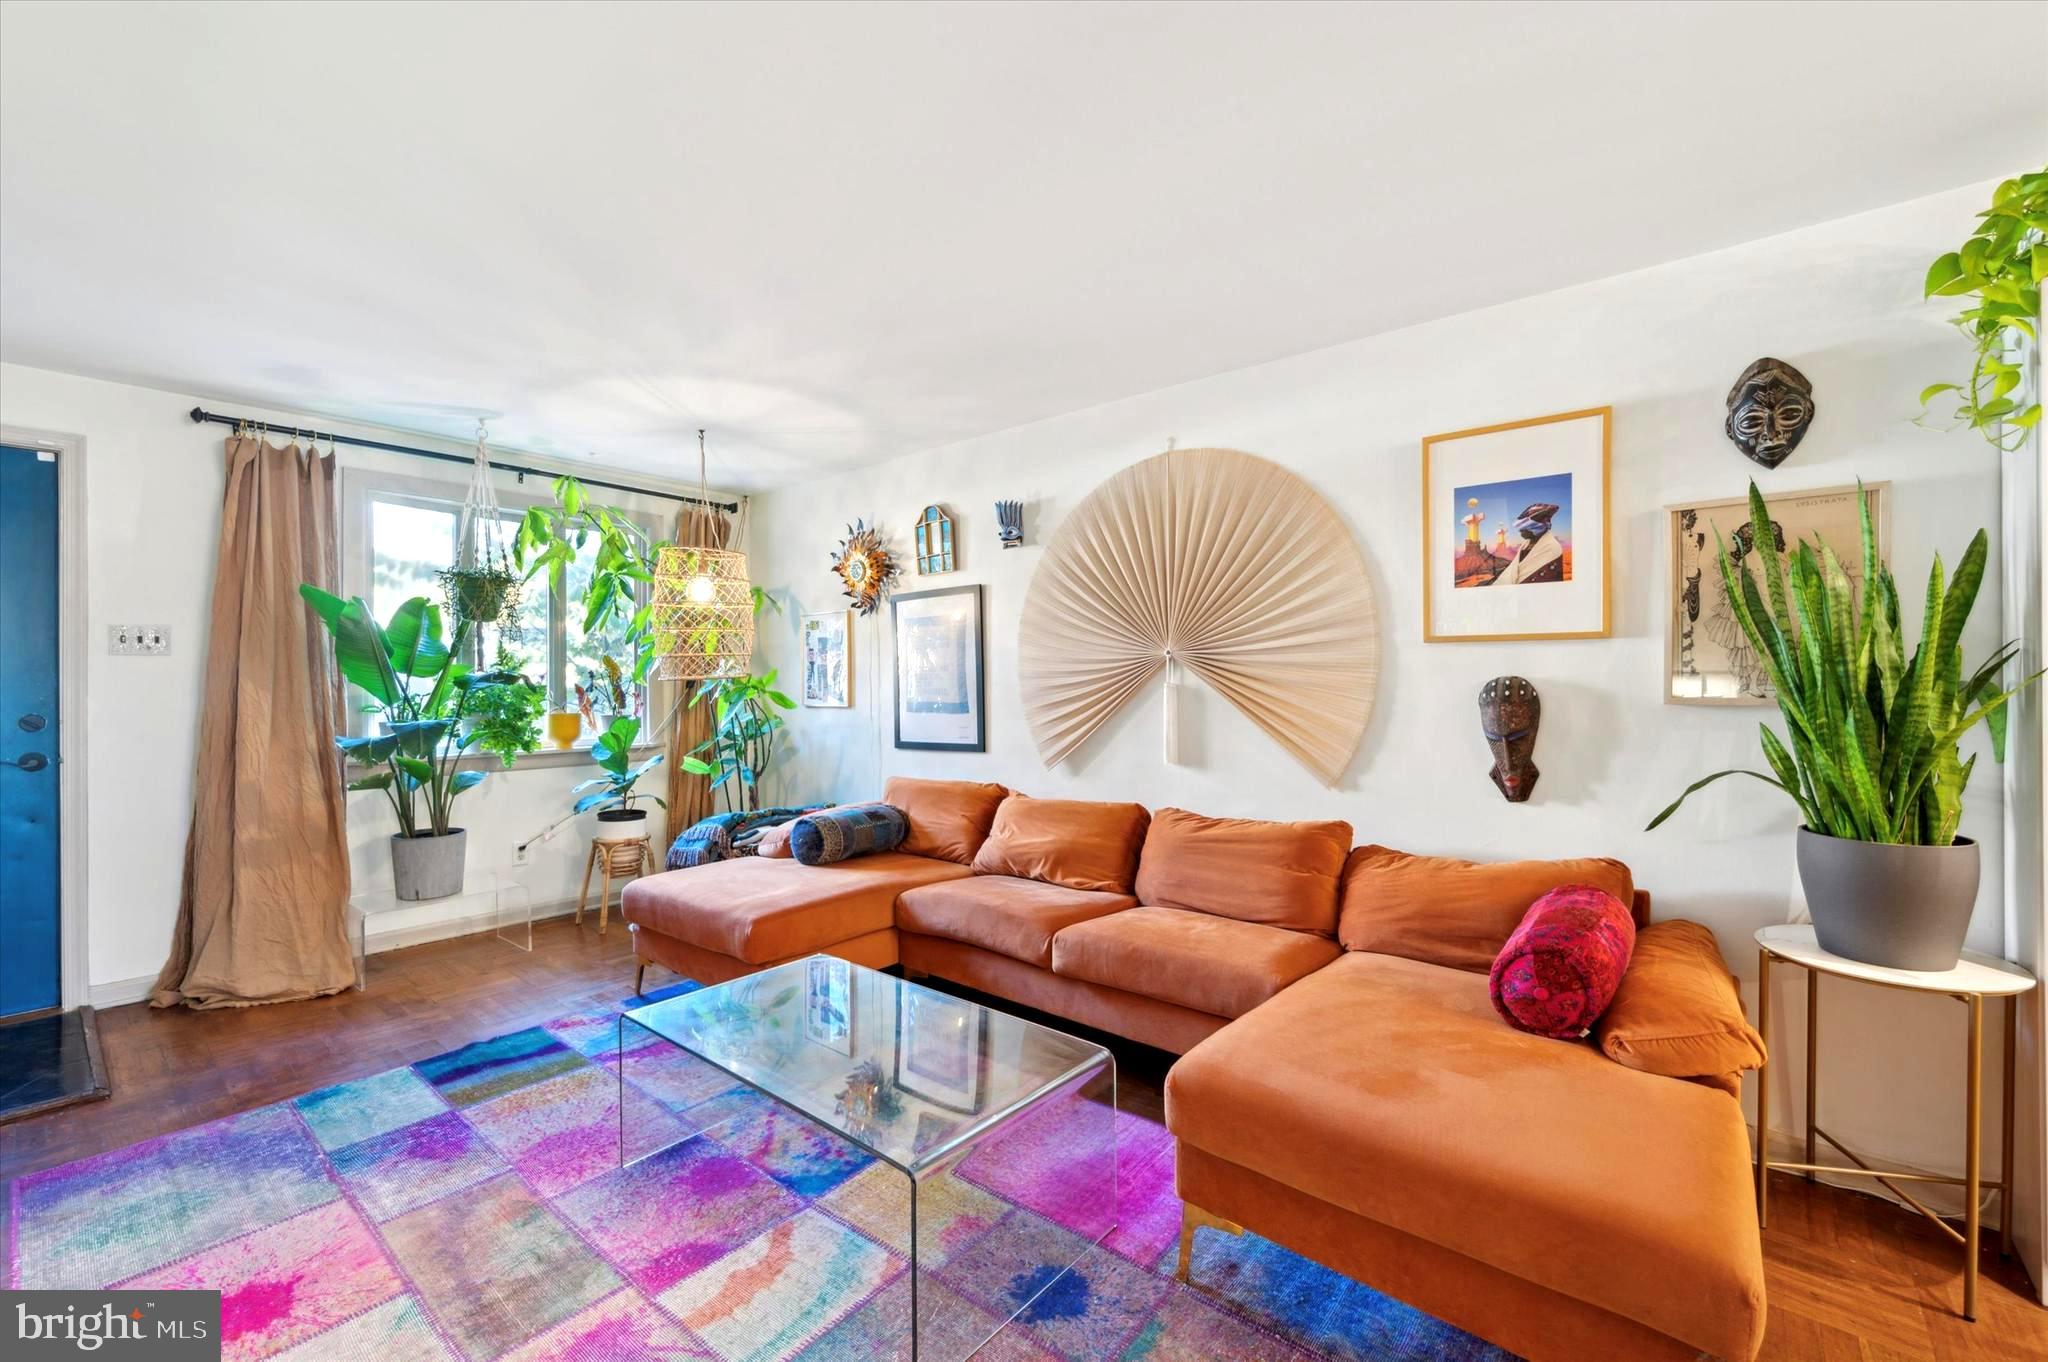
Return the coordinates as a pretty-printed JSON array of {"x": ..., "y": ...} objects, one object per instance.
[
  {"x": 153, "y": 494},
  {"x": 1663, "y": 346}
]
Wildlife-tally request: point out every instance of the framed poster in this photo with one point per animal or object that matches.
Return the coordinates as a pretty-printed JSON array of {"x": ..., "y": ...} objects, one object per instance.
[
  {"x": 828, "y": 1003},
  {"x": 939, "y": 1049},
  {"x": 939, "y": 685},
  {"x": 1514, "y": 530},
  {"x": 828, "y": 659},
  {"x": 1707, "y": 659}
]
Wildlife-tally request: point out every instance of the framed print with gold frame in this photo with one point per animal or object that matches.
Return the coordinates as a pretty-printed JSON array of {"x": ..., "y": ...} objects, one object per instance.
[
  {"x": 1515, "y": 541},
  {"x": 1707, "y": 659}
]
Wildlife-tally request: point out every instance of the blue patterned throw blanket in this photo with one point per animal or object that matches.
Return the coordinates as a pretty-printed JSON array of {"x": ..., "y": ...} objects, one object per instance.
[
  {"x": 718, "y": 837},
  {"x": 839, "y": 834}
]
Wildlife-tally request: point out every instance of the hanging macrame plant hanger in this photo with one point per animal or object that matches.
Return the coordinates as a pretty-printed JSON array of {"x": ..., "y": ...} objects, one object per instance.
[{"x": 482, "y": 587}]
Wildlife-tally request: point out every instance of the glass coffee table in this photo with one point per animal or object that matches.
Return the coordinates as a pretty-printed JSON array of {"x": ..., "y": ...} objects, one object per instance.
[{"x": 999, "y": 1131}]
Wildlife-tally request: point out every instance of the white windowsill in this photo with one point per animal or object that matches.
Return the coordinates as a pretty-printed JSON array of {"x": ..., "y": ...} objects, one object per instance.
[{"x": 547, "y": 758}]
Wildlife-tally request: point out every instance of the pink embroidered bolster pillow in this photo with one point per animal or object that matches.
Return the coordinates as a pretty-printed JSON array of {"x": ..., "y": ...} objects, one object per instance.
[{"x": 1561, "y": 966}]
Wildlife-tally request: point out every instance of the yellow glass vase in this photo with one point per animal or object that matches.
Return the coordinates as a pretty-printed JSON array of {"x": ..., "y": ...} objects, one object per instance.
[{"x": 565, "y": 726}]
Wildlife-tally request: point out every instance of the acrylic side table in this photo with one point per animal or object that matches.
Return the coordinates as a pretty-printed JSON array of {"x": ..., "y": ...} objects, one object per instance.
[
  {"x": 1975, "y": 978},
  {"x": 496, "y": 896}
]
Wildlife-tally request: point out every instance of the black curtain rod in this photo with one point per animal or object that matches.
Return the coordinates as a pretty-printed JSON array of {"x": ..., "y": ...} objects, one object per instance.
[{"x": 201, "y": 414}]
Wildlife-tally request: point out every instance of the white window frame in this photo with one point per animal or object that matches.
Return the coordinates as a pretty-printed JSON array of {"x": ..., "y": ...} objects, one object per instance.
[{"x": 360, "y": 487}]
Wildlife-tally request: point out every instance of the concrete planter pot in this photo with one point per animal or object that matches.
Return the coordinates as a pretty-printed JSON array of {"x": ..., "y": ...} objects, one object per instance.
[
  {"x": 1905, "y": 907},
  {"x": 428, "y": 867}
]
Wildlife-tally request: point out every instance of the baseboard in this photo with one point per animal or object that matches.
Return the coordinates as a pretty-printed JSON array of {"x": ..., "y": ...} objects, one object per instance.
[
  {"x": 397, "y": 938},
  {"x": 121, "y": 992}
]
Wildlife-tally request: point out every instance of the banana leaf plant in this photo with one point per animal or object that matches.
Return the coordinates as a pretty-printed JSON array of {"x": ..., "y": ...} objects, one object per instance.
[
  {"x": 613, "y": 751},
  {"x": 1870, "y": 746},
  {"x": 422, "y": 692},
  {"x": 743, "y": 730}
]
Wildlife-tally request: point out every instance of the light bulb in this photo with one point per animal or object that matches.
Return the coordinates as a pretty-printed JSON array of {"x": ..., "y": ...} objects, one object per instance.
[{"x": 702, "y": 589}]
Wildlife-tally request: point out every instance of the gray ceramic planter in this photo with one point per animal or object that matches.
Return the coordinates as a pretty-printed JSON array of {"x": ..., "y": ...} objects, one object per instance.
[
  {"x": 428, "y": 867},
  {"x": 1902, "y": 906}
]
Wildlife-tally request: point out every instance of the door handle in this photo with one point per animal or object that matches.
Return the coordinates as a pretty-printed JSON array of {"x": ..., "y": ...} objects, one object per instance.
[{"x": 28, "y": 761}]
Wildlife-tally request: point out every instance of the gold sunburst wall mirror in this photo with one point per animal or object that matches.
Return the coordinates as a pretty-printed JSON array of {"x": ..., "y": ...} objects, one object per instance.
[{"x": 864, "y": 565}]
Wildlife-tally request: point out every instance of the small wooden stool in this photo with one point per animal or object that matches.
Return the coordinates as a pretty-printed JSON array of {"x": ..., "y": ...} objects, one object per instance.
[{"x": 621, "y": 858}]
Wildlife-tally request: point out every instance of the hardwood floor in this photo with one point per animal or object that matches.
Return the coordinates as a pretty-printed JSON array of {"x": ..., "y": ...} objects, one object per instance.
[{"x": 1852, "y": 1278}]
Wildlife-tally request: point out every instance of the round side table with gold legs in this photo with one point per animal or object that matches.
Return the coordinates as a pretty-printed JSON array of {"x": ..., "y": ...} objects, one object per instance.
[{"x": 1975, "y": 978}]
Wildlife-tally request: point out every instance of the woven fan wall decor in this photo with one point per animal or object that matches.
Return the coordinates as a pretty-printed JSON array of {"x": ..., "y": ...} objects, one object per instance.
[{"x": 1225, "y": 563}]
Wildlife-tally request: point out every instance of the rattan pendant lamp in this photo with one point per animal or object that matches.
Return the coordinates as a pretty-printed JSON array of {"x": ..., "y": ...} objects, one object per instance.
[{"x": 703, "y": 605}]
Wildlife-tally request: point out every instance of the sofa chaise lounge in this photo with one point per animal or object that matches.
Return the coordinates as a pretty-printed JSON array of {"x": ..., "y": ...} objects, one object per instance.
[{"x": 1345, "y": 1087}]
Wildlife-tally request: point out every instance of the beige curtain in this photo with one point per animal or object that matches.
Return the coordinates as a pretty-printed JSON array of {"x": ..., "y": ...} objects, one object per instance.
[
  {"x": 262, "y": 917},
  {"x": 689, "y": 797}
]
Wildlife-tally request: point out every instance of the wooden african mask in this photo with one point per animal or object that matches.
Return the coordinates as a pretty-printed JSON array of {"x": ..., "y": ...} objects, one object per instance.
[
  {"x": 1769, "y": 409},
  {"x": 1509, "y": 712}
]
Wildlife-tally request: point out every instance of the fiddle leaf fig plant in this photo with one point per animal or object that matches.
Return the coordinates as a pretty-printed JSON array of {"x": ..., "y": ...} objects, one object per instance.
[
  {"x": 613, "y": 752},
  {"x": 2000, "y": 269},
  {"x": 1870, "y": 746}
]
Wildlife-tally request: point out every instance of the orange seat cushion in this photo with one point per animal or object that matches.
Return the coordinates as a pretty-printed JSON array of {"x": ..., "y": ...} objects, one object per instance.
[
  {"x": 1388, "y": 1088},
  {"x": 1281, "y": 874},
  {"x": 1079, "y": 843},
  {"x": 1678, "y": 1012},
  {"x": 948, "y": 819},
  {"x": 1452, "y": 912},
  {"x": 1001, "y": 913},
  {"x": 1212, "y": 964},
  {"x": 758, "y": 909}
]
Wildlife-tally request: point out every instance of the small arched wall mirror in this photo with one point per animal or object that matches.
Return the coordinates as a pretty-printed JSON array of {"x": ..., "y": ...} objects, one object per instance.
[{"x": 934, "y": 542}]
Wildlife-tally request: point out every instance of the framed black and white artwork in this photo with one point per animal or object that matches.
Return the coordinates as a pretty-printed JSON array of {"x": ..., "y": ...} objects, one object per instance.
[
  {"x": 1707, "y": 658},
  {"x": 939, "y": 680}
]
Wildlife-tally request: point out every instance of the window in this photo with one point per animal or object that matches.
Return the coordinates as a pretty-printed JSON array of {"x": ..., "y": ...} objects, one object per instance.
[{"x": 399, "y": 533}]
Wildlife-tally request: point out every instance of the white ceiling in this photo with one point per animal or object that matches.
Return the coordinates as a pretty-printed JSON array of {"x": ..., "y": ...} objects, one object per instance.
[{"x": 838, "y": 233}]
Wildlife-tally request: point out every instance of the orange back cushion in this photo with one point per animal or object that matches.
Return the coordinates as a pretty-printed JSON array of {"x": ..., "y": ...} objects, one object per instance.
[
  {"x": 1079, "y": 843},
  {"x": 949, "y": 819},
  {"x": 1678, "y": 1011},
  {"x": 1279, "y": 874},
  {"x": 1451, "y": 912}
]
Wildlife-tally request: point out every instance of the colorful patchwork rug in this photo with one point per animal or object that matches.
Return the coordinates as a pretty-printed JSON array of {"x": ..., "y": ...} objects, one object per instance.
[{"x": 473, "y": 1206}]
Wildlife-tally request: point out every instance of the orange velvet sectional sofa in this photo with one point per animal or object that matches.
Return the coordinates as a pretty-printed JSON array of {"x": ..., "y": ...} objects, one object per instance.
[{"x": 1345, "y": 1087}]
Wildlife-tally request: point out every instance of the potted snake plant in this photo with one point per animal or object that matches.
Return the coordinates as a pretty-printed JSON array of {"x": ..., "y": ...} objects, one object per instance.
[{"x": 1870, "y": 754}]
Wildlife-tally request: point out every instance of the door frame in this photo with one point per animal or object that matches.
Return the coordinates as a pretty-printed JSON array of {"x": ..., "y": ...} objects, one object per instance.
[{"x": 72, "y": 639}]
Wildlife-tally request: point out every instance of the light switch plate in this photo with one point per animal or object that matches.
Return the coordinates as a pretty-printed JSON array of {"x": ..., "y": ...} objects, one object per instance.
[{"x": 151, "y": 640}]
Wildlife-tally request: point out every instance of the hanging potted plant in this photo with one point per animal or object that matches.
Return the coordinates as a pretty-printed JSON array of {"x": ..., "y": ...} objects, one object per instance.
[
  {"x": 1870, "y": 751},
  {"x": 616, "y": 800},
  {"x": 423, "y": 697},
  {"x": 2000, "y": 270},
  {"x": 481, "y": 587}
]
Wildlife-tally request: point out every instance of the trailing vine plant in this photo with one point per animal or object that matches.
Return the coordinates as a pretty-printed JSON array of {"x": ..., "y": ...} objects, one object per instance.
[
  {"x": 549, "y": 539},
  {"x": 2001, "y": 268}
]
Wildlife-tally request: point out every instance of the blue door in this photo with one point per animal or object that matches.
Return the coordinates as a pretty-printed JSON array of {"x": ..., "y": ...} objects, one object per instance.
[{"x": 28, "y": 731}]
